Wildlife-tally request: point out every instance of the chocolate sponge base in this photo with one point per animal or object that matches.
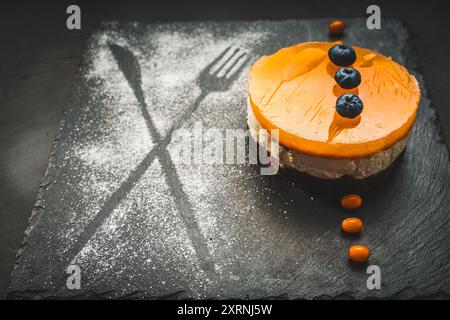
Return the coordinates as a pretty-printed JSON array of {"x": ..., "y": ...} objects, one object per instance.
[{"x": 341, "y": 186}]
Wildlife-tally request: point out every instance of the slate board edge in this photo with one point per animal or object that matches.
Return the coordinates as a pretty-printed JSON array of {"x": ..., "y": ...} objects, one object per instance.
[
  {"x": 412, "y": 62},
  {"x": 37, "y": 209}
]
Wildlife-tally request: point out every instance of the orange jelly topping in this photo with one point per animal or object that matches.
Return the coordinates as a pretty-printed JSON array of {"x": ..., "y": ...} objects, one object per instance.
[{"x": 294, "y": 91}]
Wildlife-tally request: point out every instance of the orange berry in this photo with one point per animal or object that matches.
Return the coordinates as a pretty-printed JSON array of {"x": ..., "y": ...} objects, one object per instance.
[
  {"x": 351, "y": 201},
  {"x": 352, "y": 225},
  {"x": 337, "y": 27},
  {"x": 358, "y": 253}
]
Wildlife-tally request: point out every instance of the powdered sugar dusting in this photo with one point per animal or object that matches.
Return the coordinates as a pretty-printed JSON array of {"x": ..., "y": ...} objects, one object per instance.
[
  {"x": 143, "y": 234},
  {"x": 170, "y": 62},
  {"x": 107, "y": 141},
  {"x": 177, "y": 58},
  {"x": 117, "y": 140}
]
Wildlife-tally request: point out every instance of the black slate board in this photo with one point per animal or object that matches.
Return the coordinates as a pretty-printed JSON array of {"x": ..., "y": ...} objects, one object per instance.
[{"x": 139, "y": 225}]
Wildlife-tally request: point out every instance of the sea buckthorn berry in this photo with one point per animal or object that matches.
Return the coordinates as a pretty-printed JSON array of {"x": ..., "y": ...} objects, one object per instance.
[
  {"x": 349, "y": 105},
  {"x": 337, "y": 27},
  {"x": 352, "y": 225},
  {"x": 358, "y": 253},
  {"x": 342, "y": 55},
  {"x": 348, "y": 78},
  {"x": 351, "y": 201}
]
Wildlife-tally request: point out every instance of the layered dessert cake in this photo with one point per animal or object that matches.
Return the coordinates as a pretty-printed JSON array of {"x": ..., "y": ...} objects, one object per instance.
[{"x": 342, "y": 112}]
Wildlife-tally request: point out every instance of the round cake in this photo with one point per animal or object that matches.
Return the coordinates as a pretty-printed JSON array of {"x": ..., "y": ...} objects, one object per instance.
[{"x": 295, "y": 91}]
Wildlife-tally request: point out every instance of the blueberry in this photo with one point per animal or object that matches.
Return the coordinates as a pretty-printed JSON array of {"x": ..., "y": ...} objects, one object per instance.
[
  {"x": 348, "y": 78},
  {"x": 349, "y": 105},
  {"x": 342, "y": 55}
]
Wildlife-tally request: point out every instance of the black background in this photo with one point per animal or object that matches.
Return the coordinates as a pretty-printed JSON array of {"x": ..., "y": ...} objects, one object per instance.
[{"x": 39, "y": 56}]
